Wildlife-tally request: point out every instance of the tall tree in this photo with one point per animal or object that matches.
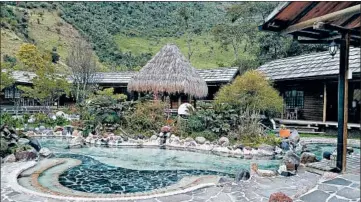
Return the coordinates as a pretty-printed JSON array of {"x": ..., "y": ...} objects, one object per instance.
[
  {"x": 47, "y": 86},
  {"x": 83, "y": 67},
  {"x": 187, "y": 17}
]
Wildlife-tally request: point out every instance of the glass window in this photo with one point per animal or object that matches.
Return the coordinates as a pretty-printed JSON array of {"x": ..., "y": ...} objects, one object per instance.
[
  {"x": 9, "y": 92},
  {"x": 294, "y": 98}
]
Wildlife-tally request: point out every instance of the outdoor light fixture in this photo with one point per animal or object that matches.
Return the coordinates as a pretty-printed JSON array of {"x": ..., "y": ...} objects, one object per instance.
[{"x": 332, "y": 49}]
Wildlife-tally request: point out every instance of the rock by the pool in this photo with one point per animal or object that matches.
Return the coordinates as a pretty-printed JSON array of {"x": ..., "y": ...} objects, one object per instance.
[
  {"x": 200, "y": 140},
  {"x": 350, "y": 150},
  {"x": 307, "y": 157},
  {"x": 25, "y": 155},
  {"x": 285, "y": 145},
  {"x": 266, "y": 150},
  {"x": 294, "y": 137},
  {"x": 153, "y": 137},
  {"x": 291, "y": 160},
  {"x": 23, "y": 141},
  {"x": 35, "y": 144},
  {"x": 242, "y": 174},
  {"x": 266, "y": 173},
  {"x": 327, "y": 155},
  {"x": 10, "y": 158},
  {"x": 223, "y": 141},
  {"x": 45, "y": 152},
  {"x": 140, "y": 136},
  {"x": 279, "y": 197}
]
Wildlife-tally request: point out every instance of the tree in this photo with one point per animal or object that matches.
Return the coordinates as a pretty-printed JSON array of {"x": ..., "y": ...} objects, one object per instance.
[
  {"x": 54, "y": 55},
  {"x": 6, "y": 77},
  {"x": 251, "y": 91},
  {"x": 187, "y": 16},
  {"x": 47, "y": 86},
  {"x": 83, "y": 67}
]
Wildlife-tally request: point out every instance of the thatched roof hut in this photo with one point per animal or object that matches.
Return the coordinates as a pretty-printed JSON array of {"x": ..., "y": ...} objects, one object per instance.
[{"x": 169, "y": 71}]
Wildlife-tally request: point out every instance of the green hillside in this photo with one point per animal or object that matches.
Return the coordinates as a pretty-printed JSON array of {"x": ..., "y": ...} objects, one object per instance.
[
  {"x": 207, "y": 53},
  {"x": 125, "y": 35}
]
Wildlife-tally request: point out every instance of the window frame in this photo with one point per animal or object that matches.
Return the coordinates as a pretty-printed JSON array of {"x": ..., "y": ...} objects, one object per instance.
[{"x": 294, "y": 98}]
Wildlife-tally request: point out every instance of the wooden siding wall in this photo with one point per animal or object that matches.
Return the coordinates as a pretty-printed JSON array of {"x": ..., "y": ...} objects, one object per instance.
[{"x": 313, "y": 102}]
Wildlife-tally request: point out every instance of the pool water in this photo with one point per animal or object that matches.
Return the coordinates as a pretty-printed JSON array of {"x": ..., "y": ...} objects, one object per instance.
[
  {"x": 129, "y": 170},
  {"x": 318, "y": 149}
]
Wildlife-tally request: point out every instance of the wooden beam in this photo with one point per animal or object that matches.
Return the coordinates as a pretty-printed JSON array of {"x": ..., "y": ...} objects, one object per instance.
[
  {"x": 325, "y": 18},
  {"x": 331, "y": 27},
  {"x": 324, "y": 102},
  {"x": 343, "y": 103}
]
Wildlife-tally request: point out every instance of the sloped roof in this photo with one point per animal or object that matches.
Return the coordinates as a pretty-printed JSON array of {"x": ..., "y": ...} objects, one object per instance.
[
  {"x": 221, "y": 75},
  {"x": 224, "y": 74},
  {"x": 309, "y": 65}
]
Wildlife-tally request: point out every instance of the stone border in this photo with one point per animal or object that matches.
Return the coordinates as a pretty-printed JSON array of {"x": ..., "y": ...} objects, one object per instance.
[{"x": 115, "y": 197}]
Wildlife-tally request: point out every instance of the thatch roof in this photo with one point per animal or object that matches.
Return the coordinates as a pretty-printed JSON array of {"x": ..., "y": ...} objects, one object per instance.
[{"x": 169, "y": 71}]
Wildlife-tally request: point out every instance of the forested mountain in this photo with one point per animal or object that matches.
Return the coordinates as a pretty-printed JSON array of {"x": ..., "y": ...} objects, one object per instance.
[{"x": 125, "y": 35}]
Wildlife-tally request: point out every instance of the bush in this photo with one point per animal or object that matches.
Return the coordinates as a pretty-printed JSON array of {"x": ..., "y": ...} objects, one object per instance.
[
  {"x": 251, "y": 91},
  {"x": 255, "y": 141},
  {"x": 147, "y": 117}
]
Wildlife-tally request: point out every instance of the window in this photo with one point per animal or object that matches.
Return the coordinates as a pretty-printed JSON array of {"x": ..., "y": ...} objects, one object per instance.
[
  {"x": 294, "y": 98},
  {"x": 9, "y": 92},
  {"x": 12, "y": 92}
]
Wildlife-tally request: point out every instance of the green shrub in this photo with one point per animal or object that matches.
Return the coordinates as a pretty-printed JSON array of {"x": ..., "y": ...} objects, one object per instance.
[
  {"x": 255, "y": 141},
  {"x": 251, "y": 91},
  {"x": 147, "y": 117}
]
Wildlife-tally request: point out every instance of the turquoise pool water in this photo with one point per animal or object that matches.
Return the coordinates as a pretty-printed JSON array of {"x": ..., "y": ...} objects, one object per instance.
[{"x": 129, "y": 170}]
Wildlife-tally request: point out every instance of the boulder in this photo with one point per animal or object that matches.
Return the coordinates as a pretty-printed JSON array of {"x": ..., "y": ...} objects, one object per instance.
[
  {"x": 189, "y": 139},
  {"x": 247, "y": 150},
  {"x": 285, "y": 145},
  {"x": 327, "y": 155},
  {"x": 279, "y": 197},
  {"x": 75, "y": 133},
  {"x": 76, "y": 141},
  {"x": 125, "y": 138},
  {"x": 278, "y": 150},
  {"x": 23, "y": 141},
  {"x": 42, "y": 128},
  {"x": 308, "y": 157},
  {"x": 58, "y": 128},
  {"x": 223, "y": 141},
  {"x": 45, "y": 152},
  {"x": 291, "y": 160},
  {"x": 350, "y": 150},
  {"x": 140, "y": 136},
  {"x": 60, "y": 113},
  {"x": 266, "y": 173},
  {"x": 242, "y": 174},
  {"x": 294, "y": 137},
  {"x": 200, "y": 140},
  {"x": 10, "y": 158},
  {"x": 266, "y": 150},
  {"x": 25, "y": 155},
  {"x": 35, "y": 144},
  {"x": 190, "y": 144},
  {"x": 240, "y": 146},
  {"x": 153, "y": 138}
]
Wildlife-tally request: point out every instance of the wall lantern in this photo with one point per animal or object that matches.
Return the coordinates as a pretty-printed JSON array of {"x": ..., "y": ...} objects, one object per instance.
[{"x": 332, "y": 49}]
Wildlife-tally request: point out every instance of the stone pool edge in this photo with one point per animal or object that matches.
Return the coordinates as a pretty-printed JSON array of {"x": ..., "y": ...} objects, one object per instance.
[{"x": 13, "y": 179}]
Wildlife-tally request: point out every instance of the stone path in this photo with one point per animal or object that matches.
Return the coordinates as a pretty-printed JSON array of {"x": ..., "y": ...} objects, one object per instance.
[{"x": 343, "y": 188}]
